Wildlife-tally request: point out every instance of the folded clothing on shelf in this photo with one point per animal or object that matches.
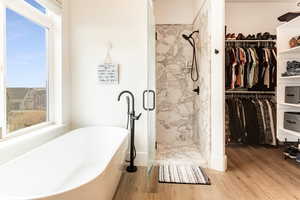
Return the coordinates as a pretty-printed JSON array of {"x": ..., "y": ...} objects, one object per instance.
[
  {"x": 293, "y": 68},
  {"x": 288, "y": 16},
  {"x": 294, "y": 42}
]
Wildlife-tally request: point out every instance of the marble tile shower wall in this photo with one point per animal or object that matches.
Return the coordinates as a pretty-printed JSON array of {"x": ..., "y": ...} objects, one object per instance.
[
  {"x": 175, "y": 110},
  {"x": 183, "y": 119},
  {"x": 202, "y": 112}
]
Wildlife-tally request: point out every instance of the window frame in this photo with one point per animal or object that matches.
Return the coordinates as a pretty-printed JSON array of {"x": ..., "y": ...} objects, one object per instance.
[{"x": 52, "y": 22}]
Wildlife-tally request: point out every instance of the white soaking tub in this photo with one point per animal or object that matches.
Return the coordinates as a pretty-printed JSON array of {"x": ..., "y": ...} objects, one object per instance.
[{"x": 85, "y": 164}]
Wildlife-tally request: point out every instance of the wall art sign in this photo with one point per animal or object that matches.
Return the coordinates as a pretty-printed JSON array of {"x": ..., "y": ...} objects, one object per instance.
[{"x": 108, "y": 73}]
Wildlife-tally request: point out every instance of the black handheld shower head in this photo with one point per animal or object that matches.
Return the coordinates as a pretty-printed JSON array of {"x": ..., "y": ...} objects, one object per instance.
[
  {"x": 188, "y": 38},
  {"x": 191, "y": 40},
  {"x": 185, "y": 37}
]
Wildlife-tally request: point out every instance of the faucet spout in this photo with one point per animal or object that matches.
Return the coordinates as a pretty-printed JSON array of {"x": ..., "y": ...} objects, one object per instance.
[{"x": 130, "y": 94}]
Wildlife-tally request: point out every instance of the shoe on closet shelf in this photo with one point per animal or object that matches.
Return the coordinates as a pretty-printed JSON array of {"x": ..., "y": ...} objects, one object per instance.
[
  {"x": 286, "y": 151},
  {"x": 240, "y": 37},
  {"x": 233, "y": 36},
  {"x": 273, "y": 37},
  {"x": 291, "y": 152},
  {"x": 228, "y": 36},
  {"x": 298, "y": 158},
  {"x": 259, "y": 36},
  {"x": 266, "y": 36},
  {"x": 248, "y": 37}
]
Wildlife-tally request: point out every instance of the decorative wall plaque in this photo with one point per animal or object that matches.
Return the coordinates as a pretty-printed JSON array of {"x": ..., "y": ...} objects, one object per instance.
[{"x": 108, "y": 73}]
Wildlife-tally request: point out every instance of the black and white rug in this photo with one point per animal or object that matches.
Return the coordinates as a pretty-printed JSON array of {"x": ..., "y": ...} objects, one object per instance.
[{"x": 182, "y": 174}]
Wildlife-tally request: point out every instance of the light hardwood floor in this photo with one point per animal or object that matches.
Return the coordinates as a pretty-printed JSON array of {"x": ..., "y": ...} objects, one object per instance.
[{"x": 254, "y": 173}]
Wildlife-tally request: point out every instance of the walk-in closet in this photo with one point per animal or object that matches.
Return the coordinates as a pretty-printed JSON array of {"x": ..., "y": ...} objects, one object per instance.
[{"x": 262, "y": 82}]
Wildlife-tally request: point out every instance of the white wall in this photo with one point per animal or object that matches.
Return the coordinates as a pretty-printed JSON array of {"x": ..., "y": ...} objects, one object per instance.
[
  {"x": 251, "y": 18},
  {"x": 93, "y": 24},
  {"x": 66, "y": 72},
  {"x": 174, "y": 11},
  {"x": 198, "y": 6},
  {"x": 177, "y": 11}
]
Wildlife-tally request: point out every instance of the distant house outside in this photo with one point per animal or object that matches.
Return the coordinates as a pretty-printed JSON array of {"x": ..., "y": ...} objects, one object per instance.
[{"x": 25, "y": 107}]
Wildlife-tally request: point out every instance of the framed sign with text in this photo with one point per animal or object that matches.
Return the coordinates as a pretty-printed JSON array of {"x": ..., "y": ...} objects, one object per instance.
[{"x": 108, "y": 73}]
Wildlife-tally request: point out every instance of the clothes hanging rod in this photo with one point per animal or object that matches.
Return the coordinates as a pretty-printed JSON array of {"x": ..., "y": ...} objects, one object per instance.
[
  {"x": 251, "y": 92},
  {"x": 274, "y": 41}
]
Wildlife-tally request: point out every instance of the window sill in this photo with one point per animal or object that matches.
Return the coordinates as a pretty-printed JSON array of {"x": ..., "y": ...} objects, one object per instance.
[
  {"x": 36, "y": 130},
  {"x": 17, "y": 145}
]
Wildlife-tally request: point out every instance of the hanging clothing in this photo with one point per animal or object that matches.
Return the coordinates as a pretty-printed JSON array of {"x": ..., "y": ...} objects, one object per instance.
[
  {"x": 252, "y": 68},
  {"x": 251, "y": 120}
]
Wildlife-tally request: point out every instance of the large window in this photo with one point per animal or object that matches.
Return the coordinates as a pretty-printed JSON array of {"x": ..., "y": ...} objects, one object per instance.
[
  {"x": 26, "y": 72},
  {"x": 36, "y": 5},
  {"x": 28, "y": 41}
]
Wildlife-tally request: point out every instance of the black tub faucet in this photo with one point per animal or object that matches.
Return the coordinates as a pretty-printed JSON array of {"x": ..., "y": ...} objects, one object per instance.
[{"x": 131, "y": 114}]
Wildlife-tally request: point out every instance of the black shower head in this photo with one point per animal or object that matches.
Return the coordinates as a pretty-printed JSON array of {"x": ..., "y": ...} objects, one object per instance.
[
  {"x": 185, "y": 37},
  {"x": 190, "y": 36}
]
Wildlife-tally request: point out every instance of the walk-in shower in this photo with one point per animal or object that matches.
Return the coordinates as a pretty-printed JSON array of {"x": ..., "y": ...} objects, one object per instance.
[{"x": 177, "y": 74}]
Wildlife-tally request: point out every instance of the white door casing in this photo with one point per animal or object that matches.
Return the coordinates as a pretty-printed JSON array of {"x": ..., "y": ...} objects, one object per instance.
[{"x": 218, "y": 160}]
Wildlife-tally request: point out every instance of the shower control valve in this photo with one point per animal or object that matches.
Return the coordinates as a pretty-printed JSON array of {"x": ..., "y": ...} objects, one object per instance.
[{"x": 197, "y": 90}]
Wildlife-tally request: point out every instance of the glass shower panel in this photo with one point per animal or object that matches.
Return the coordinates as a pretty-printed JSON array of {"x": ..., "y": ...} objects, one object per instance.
[
  {"x": 151, "y": 86},
  {"x": 202, "y": 106}
]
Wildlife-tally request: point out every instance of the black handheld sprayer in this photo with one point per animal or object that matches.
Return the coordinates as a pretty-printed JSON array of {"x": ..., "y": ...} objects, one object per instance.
[{"x": 194, "y": 70}]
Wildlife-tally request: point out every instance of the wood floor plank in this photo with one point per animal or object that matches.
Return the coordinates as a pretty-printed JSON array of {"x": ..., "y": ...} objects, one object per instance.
[{"x": 254, "y": 173}]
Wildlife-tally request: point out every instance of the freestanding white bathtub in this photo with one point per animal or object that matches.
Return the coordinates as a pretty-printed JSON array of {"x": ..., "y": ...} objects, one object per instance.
[{"x": 85, "y": 164}]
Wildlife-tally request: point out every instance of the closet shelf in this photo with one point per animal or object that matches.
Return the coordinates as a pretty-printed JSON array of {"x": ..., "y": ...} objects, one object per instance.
[
  {"x": 290, "y": 51},
  {"x": 294, "y": 133},
  {"x": 291, "y": 24},
  {"x": 290, "y": 77},
  {"x": 290, "y": 105},
  {"x": 250, "y": 92},
  {"x": 251, "y": 41}
]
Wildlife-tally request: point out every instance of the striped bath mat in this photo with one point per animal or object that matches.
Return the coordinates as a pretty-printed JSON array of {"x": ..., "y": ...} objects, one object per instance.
[{"x": 180, "y": 174}]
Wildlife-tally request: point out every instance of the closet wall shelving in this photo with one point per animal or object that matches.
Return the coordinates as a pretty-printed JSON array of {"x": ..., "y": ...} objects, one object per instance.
[
  {"x": 250, "y": 42},
  {"x": 249, "y": 92},
  {"x": 284, "y": 33},
  {"x": 249, "y": 96}
]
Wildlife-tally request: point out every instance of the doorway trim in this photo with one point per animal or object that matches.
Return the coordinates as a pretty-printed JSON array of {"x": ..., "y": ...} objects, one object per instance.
[{"x": 218, "y": 159}]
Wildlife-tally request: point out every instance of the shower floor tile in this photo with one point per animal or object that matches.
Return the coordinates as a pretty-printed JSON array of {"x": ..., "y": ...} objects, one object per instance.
[{"x": 184, "y": 154}]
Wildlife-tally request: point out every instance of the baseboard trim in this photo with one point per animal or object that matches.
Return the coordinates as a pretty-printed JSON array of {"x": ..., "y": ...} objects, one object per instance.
[
  {"x": 218, "y": 163},
  {"x": 141, "y": 159}
]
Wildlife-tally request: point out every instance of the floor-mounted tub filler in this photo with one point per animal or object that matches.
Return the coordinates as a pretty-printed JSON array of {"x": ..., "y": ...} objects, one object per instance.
[{"x": 84, "y": 164}]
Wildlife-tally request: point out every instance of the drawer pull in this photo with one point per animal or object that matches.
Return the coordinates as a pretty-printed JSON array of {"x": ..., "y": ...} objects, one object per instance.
[
  {"x": 290, "y": 95},
  {"x": 290, "y": 122}
]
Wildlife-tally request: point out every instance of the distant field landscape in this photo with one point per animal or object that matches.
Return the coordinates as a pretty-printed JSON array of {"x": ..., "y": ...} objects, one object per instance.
[{"x": 25, "y": 107}]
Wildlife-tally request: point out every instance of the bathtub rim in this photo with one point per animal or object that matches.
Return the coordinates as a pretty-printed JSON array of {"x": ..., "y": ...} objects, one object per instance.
[{"x": 58, "y": 192}]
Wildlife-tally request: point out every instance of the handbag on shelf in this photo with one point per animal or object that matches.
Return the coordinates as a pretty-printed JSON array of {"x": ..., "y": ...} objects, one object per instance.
[{"x": 288, "y": 16}]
